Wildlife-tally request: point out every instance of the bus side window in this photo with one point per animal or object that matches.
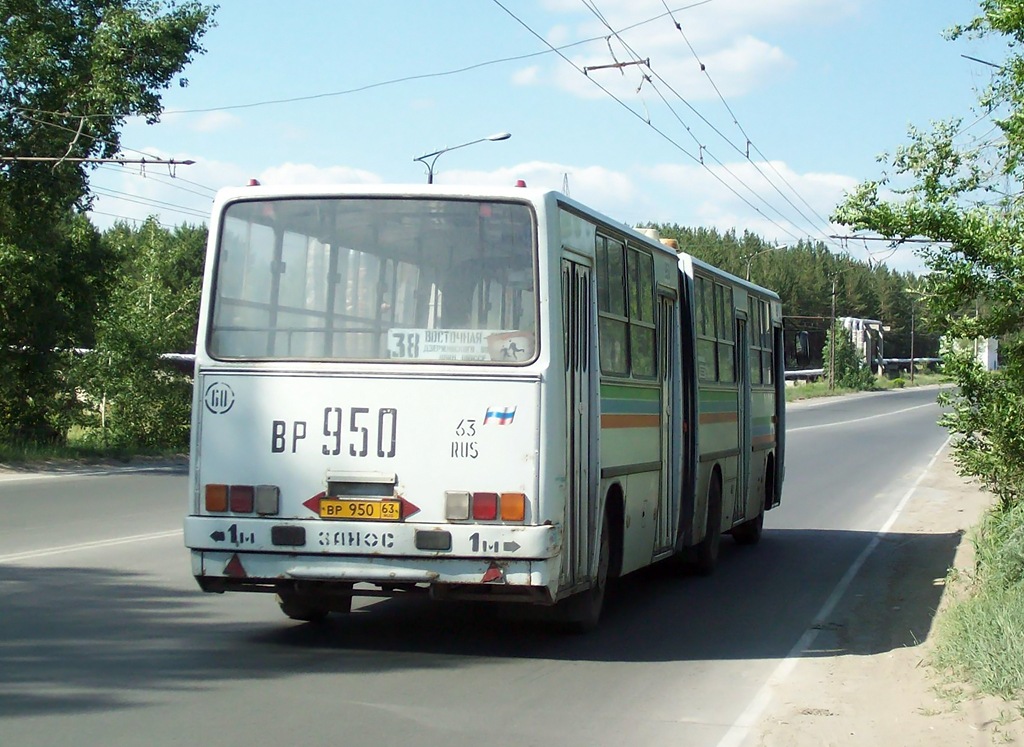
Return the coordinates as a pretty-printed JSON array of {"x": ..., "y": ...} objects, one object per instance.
[{"x": 707, "y": 368}]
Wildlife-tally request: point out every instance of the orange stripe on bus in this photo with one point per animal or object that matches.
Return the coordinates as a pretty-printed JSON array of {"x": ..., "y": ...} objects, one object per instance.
[
  {"x": 630, "y": 421},
  {"x": 718, "y": 417}
]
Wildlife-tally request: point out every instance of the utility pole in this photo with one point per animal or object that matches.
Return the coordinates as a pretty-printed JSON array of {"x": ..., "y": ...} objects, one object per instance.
[
  {"x": 832, "y": 342},
  {"x": 913, "y": 306}
]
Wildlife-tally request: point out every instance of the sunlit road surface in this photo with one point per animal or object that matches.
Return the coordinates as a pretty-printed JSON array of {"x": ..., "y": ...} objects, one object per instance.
[{"x": 105, "y": 639}]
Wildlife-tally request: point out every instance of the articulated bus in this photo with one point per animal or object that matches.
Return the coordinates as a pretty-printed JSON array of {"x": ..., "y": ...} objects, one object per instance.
[{"x": 479, "y": 394}]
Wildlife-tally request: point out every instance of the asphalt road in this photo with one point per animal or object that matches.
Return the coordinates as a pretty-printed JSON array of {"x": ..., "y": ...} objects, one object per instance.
[{"x": 106, "y": 640}]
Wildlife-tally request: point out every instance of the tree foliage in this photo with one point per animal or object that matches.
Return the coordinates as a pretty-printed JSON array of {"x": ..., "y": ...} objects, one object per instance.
[
  {"x": 843, "y": 365},
  {"x": 71, "y": 73},
  {"x": 941, "y": 189},
  {"x": 803, "y": 274},
  {"x": 152, "y": 309}
]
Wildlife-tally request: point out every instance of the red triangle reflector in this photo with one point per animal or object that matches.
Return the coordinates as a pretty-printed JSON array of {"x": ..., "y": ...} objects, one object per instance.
[
  {"x": 408, "y": 508},
  {"x": 313, "y": 504},
  {"x": 493, "y": 574},
  {"x": 234, "y": 568}
]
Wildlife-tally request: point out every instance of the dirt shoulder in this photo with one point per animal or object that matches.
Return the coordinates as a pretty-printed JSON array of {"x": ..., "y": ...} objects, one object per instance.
[{"x": 865, "y": 679}]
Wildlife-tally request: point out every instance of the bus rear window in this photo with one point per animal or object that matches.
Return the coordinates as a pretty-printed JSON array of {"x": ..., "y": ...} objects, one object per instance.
[{"x": 368, "y": 279}]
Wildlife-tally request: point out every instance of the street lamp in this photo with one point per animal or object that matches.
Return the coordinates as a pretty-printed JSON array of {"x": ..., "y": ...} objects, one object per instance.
[
  {"x": 749, "y": 257},
  {"x": 438, "y": 153},
  {"x": 914, "y": 293}
]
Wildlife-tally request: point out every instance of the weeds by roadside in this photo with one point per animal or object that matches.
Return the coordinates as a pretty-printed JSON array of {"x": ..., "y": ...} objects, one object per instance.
[
  {"x": 978, "y": 636},
  {"x": 80, "y": 448},
  {"x": 815, "y": 389}
]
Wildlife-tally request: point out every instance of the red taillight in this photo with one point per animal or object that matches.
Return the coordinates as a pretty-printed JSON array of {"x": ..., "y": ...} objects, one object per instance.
[
  {"x": 241, "y": 498},
  {"x": 485, "y": 506}
]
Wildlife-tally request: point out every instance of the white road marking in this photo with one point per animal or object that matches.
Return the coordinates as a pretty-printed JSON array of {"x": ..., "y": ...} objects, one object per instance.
[
  {"x": 751, "y": 716},
  {"x": 858, "y": 420},
  {"x": 71, "y": 474},
  {"x": 113, "y": 542}
]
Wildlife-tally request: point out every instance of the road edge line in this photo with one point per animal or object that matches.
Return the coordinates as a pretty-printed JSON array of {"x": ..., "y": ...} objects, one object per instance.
[
  {"x": 47, "y": 552},
  {"x": 751, "y": 716}
]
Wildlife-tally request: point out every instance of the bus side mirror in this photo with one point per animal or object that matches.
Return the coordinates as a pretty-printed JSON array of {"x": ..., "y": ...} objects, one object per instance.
[{"x": 803, "y": 348}]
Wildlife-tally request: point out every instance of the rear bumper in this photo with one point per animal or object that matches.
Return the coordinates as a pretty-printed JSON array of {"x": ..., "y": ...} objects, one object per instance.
[
  {"x": 509, "y": 580},
  {"x": 262, "y": 554},
  {"x": 372, "y": 539}
]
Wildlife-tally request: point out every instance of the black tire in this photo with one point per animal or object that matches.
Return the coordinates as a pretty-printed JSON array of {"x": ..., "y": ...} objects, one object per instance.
[
  {"x": 705, "y": 554},
  {"x": 302, "y": 608},
  {"x": 749, "y": 532},
  {"x": 581, "y": 612}
]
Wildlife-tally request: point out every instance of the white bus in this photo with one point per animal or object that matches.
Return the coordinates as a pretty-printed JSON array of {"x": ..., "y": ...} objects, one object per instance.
[{"x": 486, "y": 394}]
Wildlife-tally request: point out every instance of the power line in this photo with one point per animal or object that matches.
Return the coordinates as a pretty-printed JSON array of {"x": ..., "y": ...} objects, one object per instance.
[
  {"x": 379, "y": 84},
  {"x": 748, "y": 142},
  {"x": 208, "y": 194},
  {"x": 62, "y": 159},
  {"x": 148, "y": 202},
  {"x": 591, "y": 5},
  {"x": 146, "y": 158},
  {"x": 660, "y": 132},
  {"x": 126, "y": 217}
]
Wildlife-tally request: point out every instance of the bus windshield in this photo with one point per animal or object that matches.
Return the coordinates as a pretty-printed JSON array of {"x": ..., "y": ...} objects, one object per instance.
[{"x": 375, "y": 278}]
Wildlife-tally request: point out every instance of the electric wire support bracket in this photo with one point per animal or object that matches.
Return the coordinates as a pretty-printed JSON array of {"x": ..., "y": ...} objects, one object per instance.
[{"x": 617, "y": 65}]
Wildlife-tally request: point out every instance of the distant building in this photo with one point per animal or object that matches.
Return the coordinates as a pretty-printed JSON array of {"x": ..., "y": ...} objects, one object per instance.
[{"x": 868, "y": 338}]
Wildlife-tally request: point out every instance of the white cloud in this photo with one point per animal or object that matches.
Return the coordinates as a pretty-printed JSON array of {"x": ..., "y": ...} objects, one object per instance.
[
  {"x": 215, "y": 122},
  {"x": 687, "y": 194},
  {"x": 798, "y": 206},
  {"x": 175, "y": 195},
  {"x": 593, "y": 185},
  {"x": 728, "y": 38},
  {"x": 527, "y": 76},
  {"x": 305, "y": 173}
]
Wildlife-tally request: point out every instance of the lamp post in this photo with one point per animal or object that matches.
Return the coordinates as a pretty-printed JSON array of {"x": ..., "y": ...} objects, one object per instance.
[
  {"x": 914, "y": 293},
  {"x": 749, "y": 257},
  {"x": 438, "y": 153},
  {"x": 832, "y": 342}
]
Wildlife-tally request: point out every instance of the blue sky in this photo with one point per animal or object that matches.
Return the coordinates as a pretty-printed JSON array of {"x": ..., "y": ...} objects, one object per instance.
[{"x": 818, "y": 88}]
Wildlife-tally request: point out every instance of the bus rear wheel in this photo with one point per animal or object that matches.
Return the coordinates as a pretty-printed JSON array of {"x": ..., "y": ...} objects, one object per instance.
[
  {"x": 297, "y": 607},
  {"x": 581, "y": 612},
  {"x": 308, "y": 607},
  {"x": 749, "y": 532},
  {"x": 705, "y": 554}
]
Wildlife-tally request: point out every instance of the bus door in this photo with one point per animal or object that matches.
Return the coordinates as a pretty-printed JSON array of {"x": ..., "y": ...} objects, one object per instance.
[
  {"x": 742, "y": 417},
  {"x": 581, "y": 508},
  {"x": 779, "y": 367},
  {"x": 668, "y": 519}
]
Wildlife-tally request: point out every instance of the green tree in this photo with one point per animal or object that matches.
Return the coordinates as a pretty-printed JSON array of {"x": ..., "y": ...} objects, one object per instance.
[
  {"x": 851, "y": 372},
  {"x": 152, "y": 309},
  {"x": 976, "y": 288},
  {"x": 802, "y": 276},
  {"x": 71, "y": 73}
]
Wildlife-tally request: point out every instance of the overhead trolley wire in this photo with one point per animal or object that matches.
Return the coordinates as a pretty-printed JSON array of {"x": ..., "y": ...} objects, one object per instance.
[
  {"x": 591, "y": 5},
  {"x": 656, "y": 129},
  {"x": 749, "y": 143}
]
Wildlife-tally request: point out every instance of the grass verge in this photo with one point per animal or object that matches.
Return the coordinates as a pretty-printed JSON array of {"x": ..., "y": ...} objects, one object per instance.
[
  {"x": 82, "y": 446},
  {"x": 978, "y": 637},
  {"x": 815, "y": 389}
]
